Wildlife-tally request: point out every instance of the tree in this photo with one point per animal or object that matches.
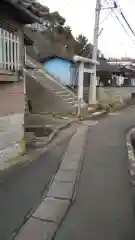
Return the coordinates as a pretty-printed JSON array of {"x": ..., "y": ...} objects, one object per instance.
[
  {"x": 57, "y": 19},
  {"x": 83, "y": 47},
  {"x": 54, "y": 21},
  {"x": 102, "y": 56},
  {"x": 82, "y": 42},
  {"x": 68, "y": 30}
]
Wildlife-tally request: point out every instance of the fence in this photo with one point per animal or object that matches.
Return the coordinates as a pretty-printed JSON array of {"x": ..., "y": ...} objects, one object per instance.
[{"x": 9, "y": 50}]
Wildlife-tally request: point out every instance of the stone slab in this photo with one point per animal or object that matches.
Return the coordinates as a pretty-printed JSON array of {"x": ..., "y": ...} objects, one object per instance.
[
  {"x": 9, "y": 153},
  {"x": 10, "y": 137},
  {"x": 36, "y": 229},
  {"x": 131, "y": 156},
  {"x": 75, "y": 147},
  {"x": 73, "y": 154},
  {"x": 48, "y": 216},
  {"x": 52, "y": 210},
  {"x": 11, "y": 121},
  {"x": 65, "y": 176},
  {"x": 61, "y": 190},
  {"x": 70, "y": 165}
]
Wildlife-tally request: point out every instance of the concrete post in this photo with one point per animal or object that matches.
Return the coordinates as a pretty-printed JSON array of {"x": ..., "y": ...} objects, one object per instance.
[
  {"x": 92, "y": 89},
  {"x": 80, "y": 82},
  {"x": 22, "y": 49}
]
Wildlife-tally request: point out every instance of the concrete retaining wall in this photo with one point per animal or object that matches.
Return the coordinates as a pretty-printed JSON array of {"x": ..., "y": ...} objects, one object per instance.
[
  {"x": 11, "y": 138},
  {"x": 111, "y": 93},
  {"x": 8, "y": 77},
  {"x": 12, "y": 106},
  {"x": 124, "y": 92},
  {"x": 114, "y": 93},
  {"x": 43, "y": 99},
  {"x": 12, "y": 99}
]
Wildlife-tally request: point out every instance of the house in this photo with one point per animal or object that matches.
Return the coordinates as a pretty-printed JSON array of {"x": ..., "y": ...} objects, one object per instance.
[
  {"x": 129, "y": 75},
  {"x": 127, "y": 62},
  {"x": 13, "y": 16}
]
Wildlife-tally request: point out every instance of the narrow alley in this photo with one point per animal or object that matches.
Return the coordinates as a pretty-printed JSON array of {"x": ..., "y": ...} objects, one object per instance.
[{"x": 104, "y": 196}]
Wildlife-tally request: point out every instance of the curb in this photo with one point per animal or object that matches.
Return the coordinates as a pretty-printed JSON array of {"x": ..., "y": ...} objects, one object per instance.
[
  {"x": 99, "y": 114},
  {"x": 94, "y": 115},
  {"x": 26, "y": 158},
  {"x": 54, "y": 134},
  {"x": 131, "y": 157},
  {"x": 45, "y": 221},
  {"x": 103, "y": 113}
]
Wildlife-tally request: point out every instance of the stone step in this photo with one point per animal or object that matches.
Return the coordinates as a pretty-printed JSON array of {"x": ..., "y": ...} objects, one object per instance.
[
  {"x": 62, "y": 92},
  {"x": 65, "y": 96},
  {"x": 69, "y": 99}
]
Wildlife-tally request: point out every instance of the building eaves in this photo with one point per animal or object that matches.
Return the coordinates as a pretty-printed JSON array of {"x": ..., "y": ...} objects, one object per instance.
[{"x": 24, "y": 8}]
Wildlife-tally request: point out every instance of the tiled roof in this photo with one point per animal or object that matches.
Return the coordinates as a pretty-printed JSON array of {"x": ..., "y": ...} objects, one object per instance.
[
  {"x": 35, "y": 7},
  {"x": 32, "y": 9}
]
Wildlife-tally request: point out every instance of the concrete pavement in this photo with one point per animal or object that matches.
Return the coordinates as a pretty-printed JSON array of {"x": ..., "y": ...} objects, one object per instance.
[
  {"x": 44, "y": 222},
  {"x": 131, "y": 155},
  {"x": 104, "y": 196},
  {"x": 22, "y": 190}
]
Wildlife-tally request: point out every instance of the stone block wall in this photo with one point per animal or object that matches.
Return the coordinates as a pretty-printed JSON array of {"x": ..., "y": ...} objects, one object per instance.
[
  {"x": 12, "y": 103},
  {"x": 110, "y": 94},
  {"x": 114, "y": 93},
  {"x": 8, "y": 77}
]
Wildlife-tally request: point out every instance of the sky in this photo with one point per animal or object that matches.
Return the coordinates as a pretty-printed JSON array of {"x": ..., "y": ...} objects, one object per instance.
[{"x": 113, "y": 41}]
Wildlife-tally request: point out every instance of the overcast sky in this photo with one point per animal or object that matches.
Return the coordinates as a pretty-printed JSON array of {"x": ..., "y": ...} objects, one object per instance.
[{"x": 113, "y": 41}]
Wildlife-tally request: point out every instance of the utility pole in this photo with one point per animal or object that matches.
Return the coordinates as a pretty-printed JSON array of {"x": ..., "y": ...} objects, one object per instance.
[{"x": 93, "y": 80}]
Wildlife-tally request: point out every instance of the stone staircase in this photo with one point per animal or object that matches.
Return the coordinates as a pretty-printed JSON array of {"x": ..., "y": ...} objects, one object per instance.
[
  {"x": 63, "y": 98},
  {"x": 61, "y": 91}
]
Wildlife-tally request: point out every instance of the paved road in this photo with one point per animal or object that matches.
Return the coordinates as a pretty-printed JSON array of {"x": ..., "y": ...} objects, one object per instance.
[
  {"x": 103, "y": 209},
  {"x": 23, "y": 190}
]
